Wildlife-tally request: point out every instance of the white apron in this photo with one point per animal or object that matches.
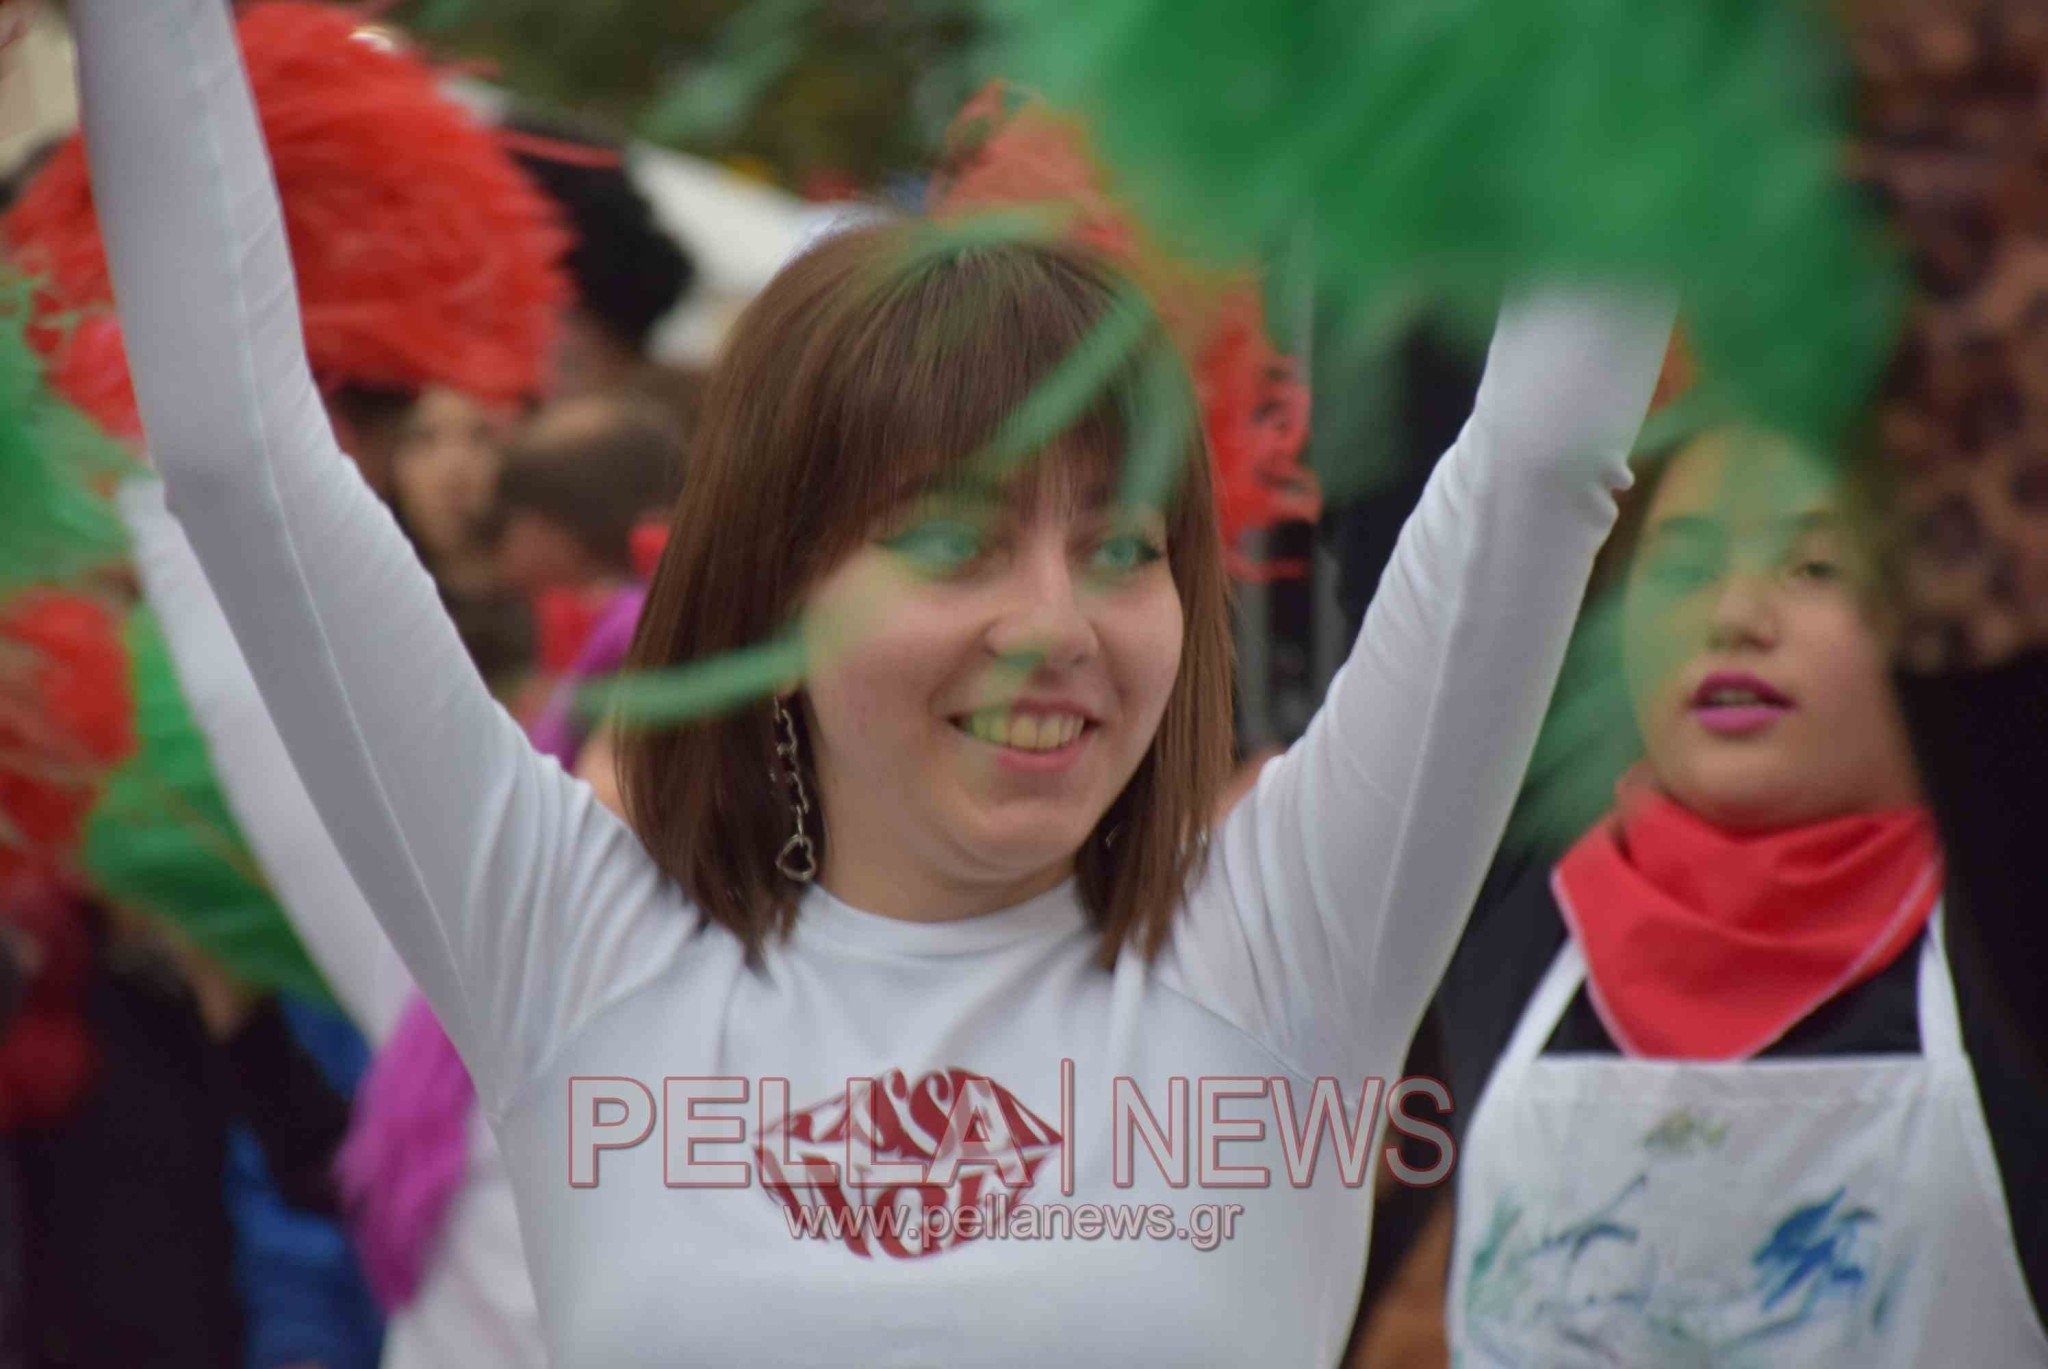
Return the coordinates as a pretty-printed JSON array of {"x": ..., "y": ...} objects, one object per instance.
[{"x": 1842, "y": 1211}]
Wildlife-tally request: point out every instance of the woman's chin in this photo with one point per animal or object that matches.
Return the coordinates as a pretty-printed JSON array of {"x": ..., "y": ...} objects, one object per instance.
[
  {"x": 1026, "y": 849},
  {"x": 1747, "y": 803}
]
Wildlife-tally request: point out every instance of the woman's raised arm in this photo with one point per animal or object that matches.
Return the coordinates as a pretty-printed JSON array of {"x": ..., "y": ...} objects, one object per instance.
[
  {"x": 257, "y": 776},
  {"x": 1335, "y": 893},
  {"x": 519, "y": 905}
]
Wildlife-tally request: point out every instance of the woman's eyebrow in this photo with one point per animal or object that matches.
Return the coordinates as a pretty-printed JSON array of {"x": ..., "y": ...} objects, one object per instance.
[
  {"x": 946, "y": 495},
  {"x": 1815, "y": 520},
  {"x": 1100, "y": 496},
  {"x": 1788, "y": 530},
  {"x": 1690, "y": 527},
  {"x": 966, "y": 487}
]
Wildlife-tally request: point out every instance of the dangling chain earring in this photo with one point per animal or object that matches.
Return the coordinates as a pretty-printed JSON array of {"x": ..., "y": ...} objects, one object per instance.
[{"x": 798, "y": 859}]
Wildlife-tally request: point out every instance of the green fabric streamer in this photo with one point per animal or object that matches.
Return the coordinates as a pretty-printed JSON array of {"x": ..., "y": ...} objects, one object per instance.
[
  {"x": 1440, "y": 150},
  {"x": 1159, "y": 434},
  {"x": 1063, "y": 396},
  {"x": 161, "y": 840},
  {"x": 699, "y": 689},
  {"x": 53, "y": 527}
]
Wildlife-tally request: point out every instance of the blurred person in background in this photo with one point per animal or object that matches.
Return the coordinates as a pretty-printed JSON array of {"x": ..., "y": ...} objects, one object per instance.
[
  {"x": 444, "y": 472},
  {"x": 113, "y": 1145},
  {"x": 582, "y": 515},
  {"x": 308, "y": 1304},
  {"x": 1779, "y": 1095},
  {"x": 578, "y": 483},
  {"x": 155, "y": 1132},
  {"x": 428, "y": 263},
  {"x": 444, "y": 477},
  {"x": 1721, "y": 1035},
  {"x": 290, "y": 1067},
  {"x": 116, "y": 1245},
  {"x": 629, "y": 272},
  {"x": 575, "y": 484}
]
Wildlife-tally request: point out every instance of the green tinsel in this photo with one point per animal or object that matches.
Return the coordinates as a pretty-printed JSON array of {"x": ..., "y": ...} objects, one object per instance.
[
  {"x": 701, "y": 689},
  {"x": 1438, "y": 149},
  {"x": 53, "y": 526},
  {"x": 161, "y": 840}
]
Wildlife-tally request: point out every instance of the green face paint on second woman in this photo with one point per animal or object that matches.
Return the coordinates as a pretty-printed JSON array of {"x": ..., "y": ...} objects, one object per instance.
[{"x": 1756, "y": 663}]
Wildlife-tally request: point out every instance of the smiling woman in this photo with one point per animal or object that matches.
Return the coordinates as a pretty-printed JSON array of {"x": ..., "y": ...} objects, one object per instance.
[
  {"x": 847, "y": 420},
  {"x": 1006, "y": 908}
]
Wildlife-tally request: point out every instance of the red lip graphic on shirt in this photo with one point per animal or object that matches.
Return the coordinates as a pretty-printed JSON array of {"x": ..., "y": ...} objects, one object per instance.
[{"x": 906, "y": 1120}]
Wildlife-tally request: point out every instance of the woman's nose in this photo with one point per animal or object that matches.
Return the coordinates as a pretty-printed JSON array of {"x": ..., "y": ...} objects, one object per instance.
[
  {"x": 1745, "y": 613},
  {"x": 1042, "y": 620}
]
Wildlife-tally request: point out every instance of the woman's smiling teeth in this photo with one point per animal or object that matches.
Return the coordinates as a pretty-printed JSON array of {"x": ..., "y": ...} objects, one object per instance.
[{"x": 1024, "y": 731}]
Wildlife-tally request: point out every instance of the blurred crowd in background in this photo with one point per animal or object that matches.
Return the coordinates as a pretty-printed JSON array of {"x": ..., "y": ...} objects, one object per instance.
[{"x": 168, "y": 1128}]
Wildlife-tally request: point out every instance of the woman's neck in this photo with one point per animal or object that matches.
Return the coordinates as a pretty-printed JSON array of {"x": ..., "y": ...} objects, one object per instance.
[{"x": 928, "y": 896}]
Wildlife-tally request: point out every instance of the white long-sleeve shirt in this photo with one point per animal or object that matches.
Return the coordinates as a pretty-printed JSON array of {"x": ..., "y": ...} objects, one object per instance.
[{"x": 554, "y": 949}]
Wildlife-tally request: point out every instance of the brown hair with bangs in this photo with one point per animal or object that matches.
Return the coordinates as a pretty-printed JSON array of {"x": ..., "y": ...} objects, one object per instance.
[{"x": 873, "y": 368}]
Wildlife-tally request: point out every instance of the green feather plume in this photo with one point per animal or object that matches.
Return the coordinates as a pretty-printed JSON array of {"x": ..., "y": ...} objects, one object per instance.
[
  {"x": 1437, "y": 150},
  {"x": 54, "y": 527},
  {"x": 162, "y": 841}
]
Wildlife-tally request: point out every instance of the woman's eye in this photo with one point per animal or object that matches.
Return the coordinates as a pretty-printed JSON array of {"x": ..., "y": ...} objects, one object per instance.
[
  {"x": 938, "y": 546},
  {"x": 1816, "y": 568},
  {"x": 1679, "y": 570},
  {"x": 1124, "y": 553}
]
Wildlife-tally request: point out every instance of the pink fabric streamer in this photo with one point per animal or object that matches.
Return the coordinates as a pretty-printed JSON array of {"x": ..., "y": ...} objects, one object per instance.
[{"x": 406, "y": 1154}]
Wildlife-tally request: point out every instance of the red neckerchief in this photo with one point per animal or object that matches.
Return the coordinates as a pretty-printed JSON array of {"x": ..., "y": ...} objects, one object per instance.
[{"x": 1702, "y": 944}]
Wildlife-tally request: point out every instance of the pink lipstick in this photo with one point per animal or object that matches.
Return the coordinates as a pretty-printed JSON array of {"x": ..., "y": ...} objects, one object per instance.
[{"x": 1732, "y": 703}]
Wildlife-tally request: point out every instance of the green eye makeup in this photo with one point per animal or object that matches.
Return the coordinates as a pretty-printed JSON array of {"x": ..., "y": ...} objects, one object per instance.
[
  {"x": 1124, "y": 553},
  {"x": 938, "y": 546}
]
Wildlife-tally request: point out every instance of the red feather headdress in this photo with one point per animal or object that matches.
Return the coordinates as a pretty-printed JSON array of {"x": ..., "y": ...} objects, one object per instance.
[{"x": 423, "y": 254}]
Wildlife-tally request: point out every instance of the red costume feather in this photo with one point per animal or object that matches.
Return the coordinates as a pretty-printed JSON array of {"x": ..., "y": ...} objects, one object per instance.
[
  {"x": 1007, "y": 150},
  {"x": 67, "y": 718},
  {"x": 423, "y": 255}
]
